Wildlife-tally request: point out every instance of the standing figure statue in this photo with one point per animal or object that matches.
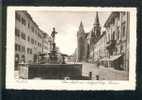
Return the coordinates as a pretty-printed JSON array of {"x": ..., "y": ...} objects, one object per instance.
[
  {"x": 53, "y": 37},
  {"x": 53, "y": 34}
]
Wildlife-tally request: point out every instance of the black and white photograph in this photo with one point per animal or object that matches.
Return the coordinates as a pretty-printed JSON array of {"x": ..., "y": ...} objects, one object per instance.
[{"x": 71, "y": 45}]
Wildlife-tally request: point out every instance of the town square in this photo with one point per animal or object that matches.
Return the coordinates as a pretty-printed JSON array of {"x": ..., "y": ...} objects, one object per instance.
[{"x": 97, "y": 49}]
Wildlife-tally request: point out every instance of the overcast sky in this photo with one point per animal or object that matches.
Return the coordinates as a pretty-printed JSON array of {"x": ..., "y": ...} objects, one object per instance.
[{"x": 66, "y": 24}]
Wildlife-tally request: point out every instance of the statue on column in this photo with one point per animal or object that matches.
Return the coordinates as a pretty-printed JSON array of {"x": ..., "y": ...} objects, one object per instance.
[
  {"x": 53, "y": 34},
  {"x": 53, "y": 53},
  {"x": 53, "y": 37}
]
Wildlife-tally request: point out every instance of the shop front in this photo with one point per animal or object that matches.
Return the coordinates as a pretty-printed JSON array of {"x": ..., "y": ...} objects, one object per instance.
[{"x": 116, "y": 62}]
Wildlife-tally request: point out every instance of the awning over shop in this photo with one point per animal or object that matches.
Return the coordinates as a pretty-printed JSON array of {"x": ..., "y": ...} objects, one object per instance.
[
  {"x": 104, "y": 59},
  {"x": 112, "y": 58}
]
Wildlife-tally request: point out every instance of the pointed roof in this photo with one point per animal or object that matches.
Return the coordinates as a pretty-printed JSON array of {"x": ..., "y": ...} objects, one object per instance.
[
  {"x": 81, "y": 28},
  {"x": 97, "y": 23}
]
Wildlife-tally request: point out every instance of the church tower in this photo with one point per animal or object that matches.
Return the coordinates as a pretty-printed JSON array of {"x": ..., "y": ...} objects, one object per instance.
[
  {"x": 81, "y": 42},
  {"x": 96, "y": 30}
]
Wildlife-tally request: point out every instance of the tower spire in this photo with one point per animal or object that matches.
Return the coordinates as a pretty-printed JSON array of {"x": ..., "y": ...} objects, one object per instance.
[
  {"x": 96, "y": 31},
  {"x": 81, "y": 28},
  {"x": 97, "y": 23}
]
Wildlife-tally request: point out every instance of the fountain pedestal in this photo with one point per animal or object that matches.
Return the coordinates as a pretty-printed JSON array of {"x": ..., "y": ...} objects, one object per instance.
[{"x": 53, "y": 59}]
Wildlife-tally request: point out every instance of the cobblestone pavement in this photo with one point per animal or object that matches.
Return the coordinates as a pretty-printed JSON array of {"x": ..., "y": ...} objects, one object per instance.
[
  {"x": 103, "y": 72},
  {"x": 87, "y": 68}
]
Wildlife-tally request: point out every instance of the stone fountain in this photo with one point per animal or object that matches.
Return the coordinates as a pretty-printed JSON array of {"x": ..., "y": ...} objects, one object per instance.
[{"x": 51, "y": 69}]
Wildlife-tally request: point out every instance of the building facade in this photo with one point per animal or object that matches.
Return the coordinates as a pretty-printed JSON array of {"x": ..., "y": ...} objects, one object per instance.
[
  {"x": 30, "y": 40},
  {"x": 99, "y": 52},
  {"x": 111, "y": 47},
  {"x": 86, "y": 41},
  {"x": 117, "y": 28}
]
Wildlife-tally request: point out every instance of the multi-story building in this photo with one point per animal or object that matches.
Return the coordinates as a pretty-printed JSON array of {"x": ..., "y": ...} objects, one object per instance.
[
  {"x": 99, "y": 52},
  {"x": 111, "y": 46},
  {"x": 117, "y": 28},
  {"x": 46, "y": 43},
  {"x": 30, "y": 40}
]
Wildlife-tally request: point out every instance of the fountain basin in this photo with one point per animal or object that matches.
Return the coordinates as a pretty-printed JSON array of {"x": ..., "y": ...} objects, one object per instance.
[{"x": 50, "y": 71}]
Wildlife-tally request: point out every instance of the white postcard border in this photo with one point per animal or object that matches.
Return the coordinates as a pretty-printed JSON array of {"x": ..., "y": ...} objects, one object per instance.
[{"x": 12, "y": 83}]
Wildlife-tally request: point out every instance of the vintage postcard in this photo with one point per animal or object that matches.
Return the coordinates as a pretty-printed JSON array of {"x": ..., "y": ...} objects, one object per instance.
[{"x": 71, "y": 48}]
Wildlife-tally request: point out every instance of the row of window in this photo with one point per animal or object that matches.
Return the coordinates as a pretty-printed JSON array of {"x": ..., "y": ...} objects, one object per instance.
[
  {"x": 20, "y": 19},
  {"x": 23, "y": 21},
  {"x": 34, "y": 41},
  {"x": 23, "y": 36},
  {"x": 17, "y": 34},
  {"x": 21, "y": 48},
  {"x": 29, "y": 51},
  {"x": 116, "y": 34}
]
